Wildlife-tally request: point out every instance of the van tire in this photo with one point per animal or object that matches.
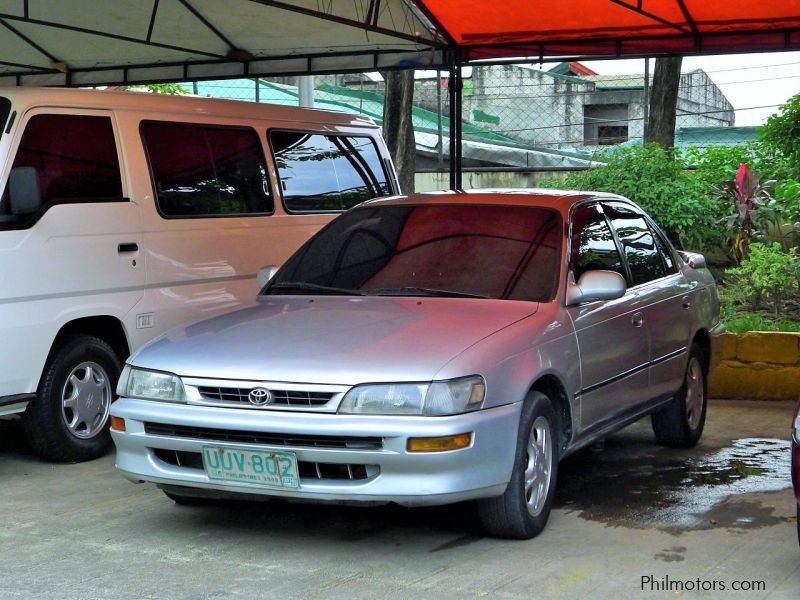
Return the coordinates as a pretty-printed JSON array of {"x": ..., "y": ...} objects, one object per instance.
[
  {"x": 510, "y": 516},
  {"x": 79, "y": 360}
]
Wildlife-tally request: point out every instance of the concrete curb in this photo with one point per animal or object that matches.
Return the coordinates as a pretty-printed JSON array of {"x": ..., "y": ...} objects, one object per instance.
[{"x": 763, "y": 365}]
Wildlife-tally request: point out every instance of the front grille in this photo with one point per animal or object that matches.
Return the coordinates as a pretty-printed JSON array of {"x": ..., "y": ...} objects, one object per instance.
[
  {"x": 261, "y": 437},
  {"x": 306, "y": 469},
  {"x": 279, "y": 397}
]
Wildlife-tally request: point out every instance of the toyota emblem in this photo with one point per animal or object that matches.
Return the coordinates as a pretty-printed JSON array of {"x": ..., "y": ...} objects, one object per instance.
[{"x": 259, "y": 396}]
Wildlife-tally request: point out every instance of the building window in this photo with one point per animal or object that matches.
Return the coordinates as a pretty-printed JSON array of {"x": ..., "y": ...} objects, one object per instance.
[
  {"x": 608, "y": 135},
  {"x": 605, "y": 124}
]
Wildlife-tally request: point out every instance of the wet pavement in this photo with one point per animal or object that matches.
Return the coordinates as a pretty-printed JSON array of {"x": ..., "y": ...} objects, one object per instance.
[{"x": 628, "y": 509}]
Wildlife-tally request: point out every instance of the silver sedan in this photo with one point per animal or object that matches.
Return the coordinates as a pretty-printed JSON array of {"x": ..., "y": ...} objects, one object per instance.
[{"x": 427, "y": 350}]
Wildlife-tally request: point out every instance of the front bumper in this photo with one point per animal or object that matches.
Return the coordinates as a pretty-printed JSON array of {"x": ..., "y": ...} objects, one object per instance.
[{"x": 395, "y": 475}]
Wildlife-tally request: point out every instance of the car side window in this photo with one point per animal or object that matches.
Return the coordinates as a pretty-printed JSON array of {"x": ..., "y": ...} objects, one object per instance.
[
  {"x": 326, "y": 173},
  {"x": 593, "y": 247},
  {"x": 638, "y": 243},
  {"x": 666, "y": 252},
  {"x": 206, "y": 171}
]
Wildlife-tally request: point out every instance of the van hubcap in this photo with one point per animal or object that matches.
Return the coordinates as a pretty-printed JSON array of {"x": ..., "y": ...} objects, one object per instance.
[
  {"x": 694, "y": 393},
  {"x": 539, "y": 465},
  {"x": 85, "y": 399}
]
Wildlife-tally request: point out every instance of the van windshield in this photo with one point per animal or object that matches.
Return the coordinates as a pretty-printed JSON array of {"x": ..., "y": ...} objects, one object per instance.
[{"x": 458, "y": 250}]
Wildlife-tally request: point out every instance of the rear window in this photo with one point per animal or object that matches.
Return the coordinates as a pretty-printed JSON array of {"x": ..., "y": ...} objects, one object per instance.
[
  {"x": 488, "y": 251},
  {"x": 61, "y": 158},
  {"x": 206, "y": 171},
  {"x": 327, "y": 173}
]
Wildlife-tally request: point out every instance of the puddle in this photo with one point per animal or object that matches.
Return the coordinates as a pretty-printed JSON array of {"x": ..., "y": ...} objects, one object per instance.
[{"x": 675, "y": 489}]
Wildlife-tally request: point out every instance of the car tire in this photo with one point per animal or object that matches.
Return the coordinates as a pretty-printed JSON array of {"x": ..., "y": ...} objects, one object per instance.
[
  {"x": 680, "y": 423},
  {"x": 69, "y": 419},
  {"x": 522, "y": 511}
]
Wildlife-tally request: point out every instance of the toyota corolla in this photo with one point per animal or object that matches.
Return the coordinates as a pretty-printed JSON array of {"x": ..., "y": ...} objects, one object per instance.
[{"x": 431, "y": 349}]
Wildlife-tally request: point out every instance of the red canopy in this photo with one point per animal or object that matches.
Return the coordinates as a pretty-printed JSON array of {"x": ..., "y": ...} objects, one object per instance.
[
  {"x": 85, "y": 42},
  {"x": 512, "y": 28}
]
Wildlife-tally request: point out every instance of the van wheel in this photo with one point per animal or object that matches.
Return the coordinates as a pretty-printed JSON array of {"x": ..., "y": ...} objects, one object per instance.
[
  {"x": 680, "y": 423},
  {"x": 522, "y": 511},
  {"x": 68, "y": 422}
]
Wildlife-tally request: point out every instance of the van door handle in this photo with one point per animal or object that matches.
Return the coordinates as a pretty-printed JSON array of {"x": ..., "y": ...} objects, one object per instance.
[
  {"x": 686, "y": 302},
  {"x": 637, "y": 320},
  {"x": 128, "y": 247}
]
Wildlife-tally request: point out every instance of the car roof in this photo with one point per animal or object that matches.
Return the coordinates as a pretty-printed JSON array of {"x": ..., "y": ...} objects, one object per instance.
[
  {"x": 23, "y": 98},
  {"x": 560, "y": 200}
]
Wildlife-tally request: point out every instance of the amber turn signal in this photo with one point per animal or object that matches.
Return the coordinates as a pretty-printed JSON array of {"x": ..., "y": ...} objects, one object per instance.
[
  {"x": 117, "y": 424},
  {"x": 439, "y": 444}
]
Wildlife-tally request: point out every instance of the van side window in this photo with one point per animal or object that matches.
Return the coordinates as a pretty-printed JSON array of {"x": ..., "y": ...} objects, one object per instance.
[
  {"x": 206, "y": 171},
  {"x": 326, "y": 173},
  {"x": 61, "y": 158}
]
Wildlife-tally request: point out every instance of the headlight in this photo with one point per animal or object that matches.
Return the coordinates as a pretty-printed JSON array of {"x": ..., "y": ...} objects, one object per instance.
[
  {"x": 151, "y": 385},
  {"x": 430, "y": 399}
]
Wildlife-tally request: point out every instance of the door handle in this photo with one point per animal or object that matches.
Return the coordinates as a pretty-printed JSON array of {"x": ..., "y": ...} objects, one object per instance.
[
  {"x": 686, "y": 302},
  {"x": 128, "y": 247},
  {"x": 637, "y": 320}
]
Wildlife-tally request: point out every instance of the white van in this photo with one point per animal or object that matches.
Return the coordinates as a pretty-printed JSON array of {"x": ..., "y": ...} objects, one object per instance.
[{"x": 124, "y": 214}]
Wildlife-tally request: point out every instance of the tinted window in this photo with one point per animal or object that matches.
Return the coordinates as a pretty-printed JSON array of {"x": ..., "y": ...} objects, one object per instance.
[
  {"x": 61, "y": 158},
  {"x": 5, "y": 109},
  {"x": 638, "y": 244},
  {"x": 492, "y": 251},
  {"x": 666, "y": 252},
  {"x": 201, "y": 171},
  {"x": 324, "y": 173},
  {"x": 593, "y": 247}
]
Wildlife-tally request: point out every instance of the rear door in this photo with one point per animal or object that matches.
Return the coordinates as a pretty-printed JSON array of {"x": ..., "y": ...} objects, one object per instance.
[
  {"x": 664, "y": 293},
  {"x": 612, "y": 339}
]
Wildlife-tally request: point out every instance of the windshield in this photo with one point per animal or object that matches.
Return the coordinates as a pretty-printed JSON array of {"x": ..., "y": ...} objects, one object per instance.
[{"x": 484, "y": 251}]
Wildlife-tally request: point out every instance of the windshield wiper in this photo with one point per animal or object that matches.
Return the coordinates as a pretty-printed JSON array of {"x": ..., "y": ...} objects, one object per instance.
[
  {"x": 422, "y": 291},
  {"x": 313, "y": 287}
]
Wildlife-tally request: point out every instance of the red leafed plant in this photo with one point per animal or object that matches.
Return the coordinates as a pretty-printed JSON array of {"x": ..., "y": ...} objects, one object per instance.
[{"x": 753, "y": 210}]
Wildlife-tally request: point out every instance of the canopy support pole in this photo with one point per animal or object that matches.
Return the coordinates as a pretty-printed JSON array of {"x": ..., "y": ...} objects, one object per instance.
[{"x": 454, "y": 89}]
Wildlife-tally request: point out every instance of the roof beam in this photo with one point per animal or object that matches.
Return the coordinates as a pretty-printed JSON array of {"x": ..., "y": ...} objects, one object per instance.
[
  {"x": 440, "y": 29},
  {"x": 364, "y": 25},
  {"x": 231, "y": 46},
  {"x": 29, "y": 41},
  {"x": 640, "y": 11},
  {"x": 113, "y": 36},
  {"x": 688, "y": 17}
]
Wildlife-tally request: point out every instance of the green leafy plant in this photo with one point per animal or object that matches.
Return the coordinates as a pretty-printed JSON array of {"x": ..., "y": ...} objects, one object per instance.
[
  {"x": 169, "y": 89},
  {"x": 768, "y": 274},
  {"x": 781, "y": 134},
  {"x": 753, "y": 210}
]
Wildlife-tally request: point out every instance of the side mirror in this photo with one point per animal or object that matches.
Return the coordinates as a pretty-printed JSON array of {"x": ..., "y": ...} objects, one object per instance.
[
  {"x": 265, "y": 274},
  {"x": 596, "y": 285},
  {"x": 693, "y": 259},
  {"x": 23, "y": 191}
]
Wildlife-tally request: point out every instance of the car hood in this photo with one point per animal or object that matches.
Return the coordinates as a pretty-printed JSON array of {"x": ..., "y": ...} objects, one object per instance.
[{"x": 331, "y": 339}]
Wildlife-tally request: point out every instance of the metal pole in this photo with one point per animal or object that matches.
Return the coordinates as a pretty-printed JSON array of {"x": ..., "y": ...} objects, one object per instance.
[
  {"x": 305, "y": 89},
  {"x": 646, "y": 98},
  {"x": 257, "y": 81},
  {"x": 440, "y": 143},
  {"x": 454, "y": 94}
]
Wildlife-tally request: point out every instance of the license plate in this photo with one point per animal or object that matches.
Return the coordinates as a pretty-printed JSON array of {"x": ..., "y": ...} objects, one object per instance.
[{"x": 259, "y": 467}]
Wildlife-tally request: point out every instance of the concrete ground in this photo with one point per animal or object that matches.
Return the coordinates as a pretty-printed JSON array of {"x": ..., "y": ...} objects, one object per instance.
[{"x": 722, "y": 512}]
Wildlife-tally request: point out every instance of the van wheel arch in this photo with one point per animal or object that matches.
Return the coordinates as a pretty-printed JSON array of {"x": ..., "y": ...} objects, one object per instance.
[{"x": 105, "y": 327}]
